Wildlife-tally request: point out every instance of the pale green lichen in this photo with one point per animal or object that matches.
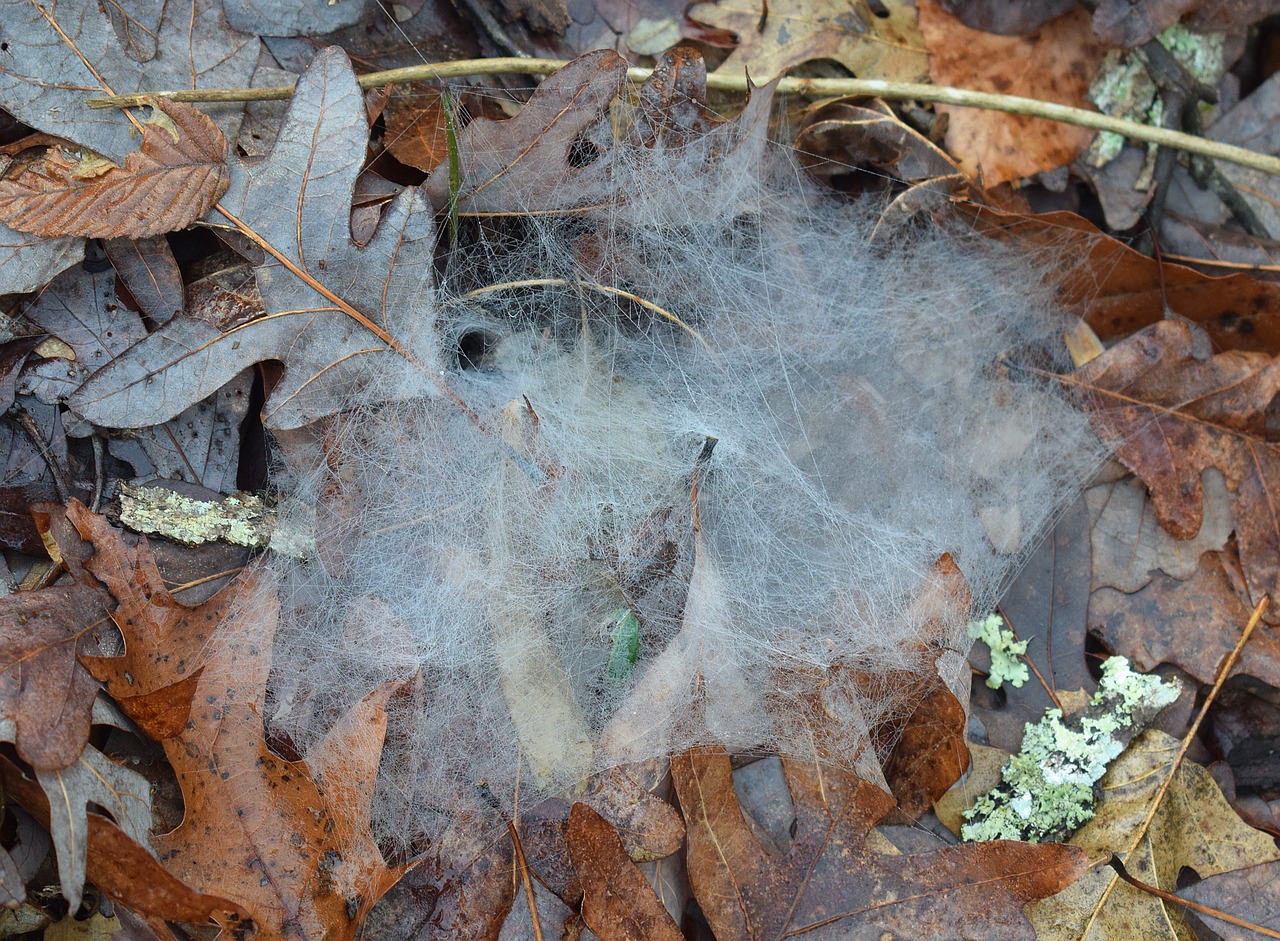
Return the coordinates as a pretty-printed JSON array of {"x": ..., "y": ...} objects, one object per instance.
[
  {"x": 240, "y": 519},
  {"x": 1006, "y": 651},
  {"x": 1123, "y": 88},
  {"x": 1047, "y": 790}
]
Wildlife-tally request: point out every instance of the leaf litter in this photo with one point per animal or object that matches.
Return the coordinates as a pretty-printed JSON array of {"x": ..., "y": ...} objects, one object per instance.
[{"x": 483, "y": 342}]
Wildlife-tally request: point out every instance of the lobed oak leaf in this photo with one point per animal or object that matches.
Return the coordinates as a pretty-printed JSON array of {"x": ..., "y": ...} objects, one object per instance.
[
  {"x": 288, "y": 841},
  {"x": 832, "y": 883},
  {"x": 1171, "y": 412},
  {"x": 524, "y": 163},
  {"x": 337, "y": 311},
  {"x": 172, "y": 180},
  {"x": 165, "y": 642}
]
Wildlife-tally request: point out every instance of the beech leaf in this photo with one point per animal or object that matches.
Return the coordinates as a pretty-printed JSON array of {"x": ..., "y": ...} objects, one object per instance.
[{"x": 172, "y": 180}]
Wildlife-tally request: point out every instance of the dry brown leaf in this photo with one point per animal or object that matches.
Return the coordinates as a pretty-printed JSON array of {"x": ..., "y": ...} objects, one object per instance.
[
  {"x": 166, "y": 642},
  {"x": 523, "y": 163},
  {"x": 618, "y": 903},
  {"x": 173, "y": 179},
  {"x": 1055, "y": 63},
  {"x": 289, "y": 841},
  {"x": 1170, "y": 413},
  {"x": 1046, "y": 607},
  {"x": 854, "y": 134},
  {"x": 416, "y": 126},
  {"x": 857, "y": 35},
  {"x": 1129, "y": 23},
  {"x": 1192, "y": 624},
  {"x": 43, "y": 688},
  {"x": 1118, "y": 290},
  {"x": 831, "y": 884}
]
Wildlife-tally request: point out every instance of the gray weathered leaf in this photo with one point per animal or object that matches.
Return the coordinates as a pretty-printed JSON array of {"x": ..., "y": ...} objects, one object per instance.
[
  {"x": 28, "y": 262},
  {"x": 297, "y": 201},
  {"x": 289, "y": 18},
  {"x": 200, "y": 445},
  {"x": 46, "y": 77},
  {"x": 94, "y": 779}
]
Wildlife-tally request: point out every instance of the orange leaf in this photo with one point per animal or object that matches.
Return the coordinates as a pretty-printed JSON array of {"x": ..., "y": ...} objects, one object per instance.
[
  {"x": 165, "y": 641},
  {"x": 618, "y": 903},
  {"x": 173, "y": 179},
  {"x": 1055, "y": 63},
  {"x": 290, "y": 841},
  {"x": 831, "y": 883}
]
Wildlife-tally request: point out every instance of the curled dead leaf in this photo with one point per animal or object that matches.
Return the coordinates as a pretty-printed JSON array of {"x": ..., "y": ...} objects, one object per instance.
[{"x": 174, "y": 178}]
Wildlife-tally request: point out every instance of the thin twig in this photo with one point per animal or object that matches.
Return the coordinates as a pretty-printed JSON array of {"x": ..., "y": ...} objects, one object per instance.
[
  {"x": 805, "y": 87},
  {"x": 1218, "y": 913}
]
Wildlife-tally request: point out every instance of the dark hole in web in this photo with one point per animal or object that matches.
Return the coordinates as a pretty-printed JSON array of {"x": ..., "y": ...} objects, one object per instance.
[
  {"x": 583, "y": 153},
  {"x": 878, "y": 9},
  {"x": 474, "y": 347}
]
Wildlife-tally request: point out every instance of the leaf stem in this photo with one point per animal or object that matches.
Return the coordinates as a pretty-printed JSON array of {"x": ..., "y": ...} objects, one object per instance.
[{"x": 805, "y": 87}]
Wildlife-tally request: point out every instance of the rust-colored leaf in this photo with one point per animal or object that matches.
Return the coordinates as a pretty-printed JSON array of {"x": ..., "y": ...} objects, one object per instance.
[
  {"x": 1171, "y": 412},
  {"x": 43, "y": 688},
  {"x": 831, "y": 883},
  {"x": 1192, "y": 624},
  {"x": 618, "y": 903},
  {"x": 1119, "y": 290},
  {"x": 1055, "y": 63},
  {"x": 290, "y": 841},
  {"x": 173, "y": 179},
  {"x": 416, "y": 122},
  {"x": 166, "y": 642}
]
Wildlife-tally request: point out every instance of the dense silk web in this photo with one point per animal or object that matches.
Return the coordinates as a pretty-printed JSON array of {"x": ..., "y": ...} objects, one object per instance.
[{"x": 724, "y": 414}]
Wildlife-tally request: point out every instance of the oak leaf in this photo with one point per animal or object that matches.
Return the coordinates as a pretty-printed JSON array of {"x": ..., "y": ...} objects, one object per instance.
[
  {"x": 337, "y": 311},
  {"x": 289, "y": 841},
  {"x": 1170, "y": 412},
  {"x": 166, "y": 642},
  {"x": 523, "y": 163},
  {"x": 832, "y": 883},
  {"x": 172, "y": 180}
]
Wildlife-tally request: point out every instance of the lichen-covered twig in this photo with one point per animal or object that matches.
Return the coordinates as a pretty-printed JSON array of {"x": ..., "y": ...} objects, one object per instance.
[{"x": 1047, "y": 790}]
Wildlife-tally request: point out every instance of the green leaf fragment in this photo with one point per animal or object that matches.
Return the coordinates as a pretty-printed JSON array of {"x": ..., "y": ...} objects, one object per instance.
[{"x": 624, "y": 628}]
